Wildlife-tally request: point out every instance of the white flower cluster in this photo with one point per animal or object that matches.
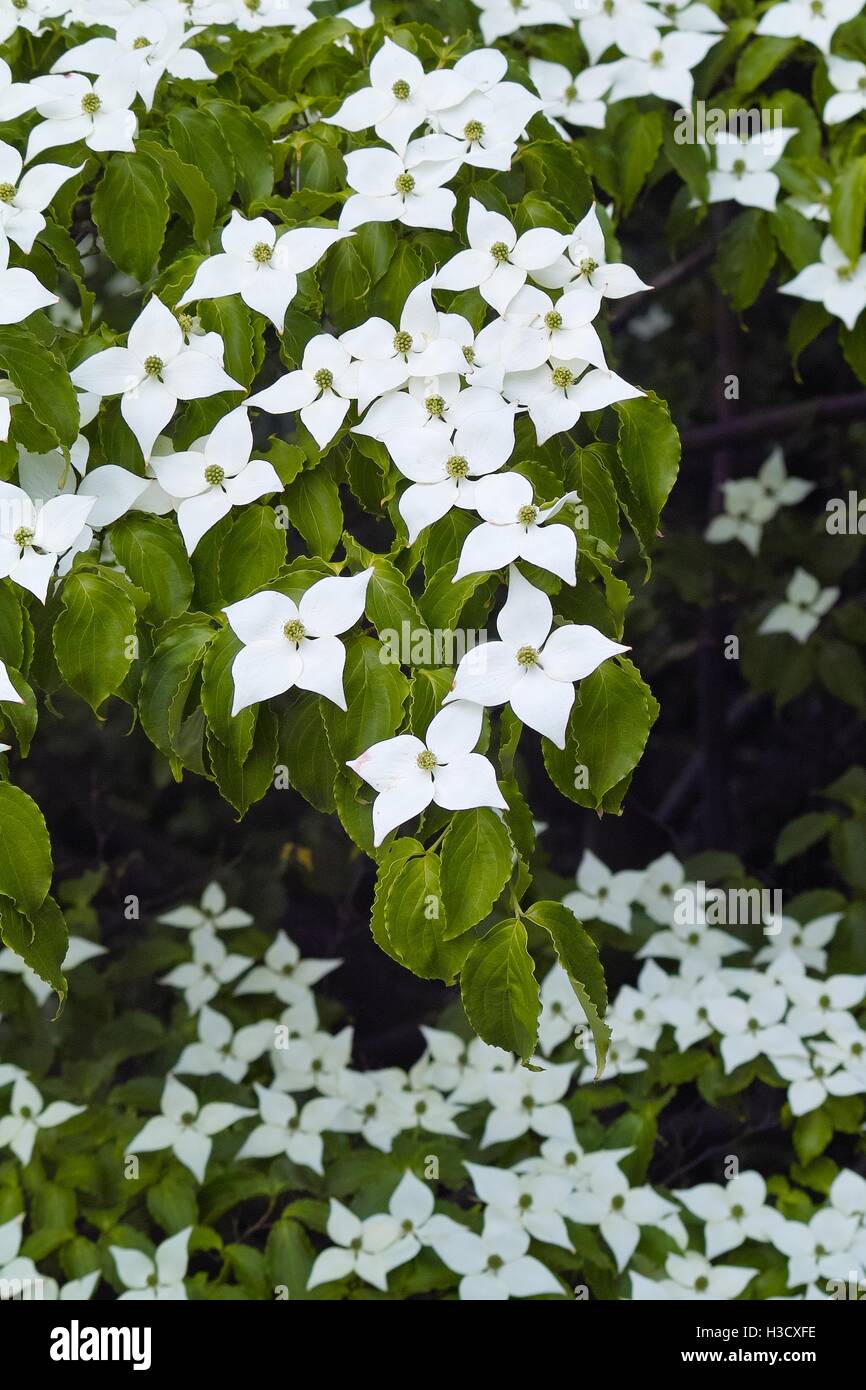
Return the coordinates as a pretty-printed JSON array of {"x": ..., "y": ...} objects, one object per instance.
[
  {"x": 749, "y": 503},
  {"x": 783, "y": 1008}
]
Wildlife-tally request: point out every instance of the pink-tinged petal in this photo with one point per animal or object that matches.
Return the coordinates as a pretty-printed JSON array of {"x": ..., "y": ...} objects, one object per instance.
[
  {"x": 333, "y": 605},
  {"x": 554, "y": 548},
  {"x": 576, "y": 650},
  {"x": 262, "y": 671},
  {"x": 386, "y": 764},
  {"x": 322, "y": 662},
  {"x": 543, "y": 704},
  {"x": 527, "y": 613},
  {"x": 466, "y": 782},
  {"x": 455, "y": 730}
]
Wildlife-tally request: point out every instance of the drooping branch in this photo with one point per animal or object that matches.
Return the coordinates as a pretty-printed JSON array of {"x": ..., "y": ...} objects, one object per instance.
[{"x": 785, "y": 419}]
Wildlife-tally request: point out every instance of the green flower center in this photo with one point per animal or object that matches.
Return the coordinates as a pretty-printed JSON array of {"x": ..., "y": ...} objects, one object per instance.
[
  {"x": 738, "y": 1212},
  {"x": 141, "y": 42},
  {"x": 524, "y": 1201},
  {"x": 457, "y": 467},
  {"x": 817, "y": 6},
  {"x": 495, "y": 1262},
  {"x": 434, "y": 405},
  {"x": 213, "y": 474},
  {"x": 421, "y": 1107},
  {"x": 469, "y": 354},
  {"x": 570, "y": 93},
  {"x": 656, "y": 57},
  {"x": 845, "y": 272},
  {"x": 153, "y": 366},
  {"x": 262, "y": 253},
  {"x": 7, "y": 192},
  {"x": 499, "y": 252},
  {"x": 90, "y": 103},
  {"x": 324, "y": 379},
  {"x": 738, "y": 168},
  {"x": 702, "y": 1283},
  {"x": 587, "y": 266},
  {"x": 186, "y": 321},
  {"x": 527, "y": 515},
  {"x": 404, "y": 184},
  {"x": 25, "y": 1113},
  {"x": 426, "y": 760},
  {"x": 188, "y": 1118},
  {"x": 824, "y": 1002},
  {"x": 253, "y": 5},
  {"x": 562, "y": 378},
  {"x": 401, "y": 90},
  {"x": 152, "y": 1281},
  {"x": 553, "y": 320},
  {"x": 618, "y": 1202},
  {"x": 24, "y": 537},
  {"x": 402, "y": 341},
  {"x": 294, "y": 630},
  {"x": 472, "y": 131},
  {"x": 861, "y": 84},
  {"x": 526, "y": 657}
]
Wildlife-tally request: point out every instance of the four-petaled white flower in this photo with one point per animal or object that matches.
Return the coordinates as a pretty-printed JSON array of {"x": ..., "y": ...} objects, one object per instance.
[
  {"x": 211, "y": 967},
  {"x": 185, "y": 1128},
  {"x": 803, "y": 608},
  {"x": 321, "y": 390},
  {"x": 146, "y": 45},
  {"x": 533, "y": 1202},
  {"x": 286, "y": 1129},
  {"x": 33, "y": 537},
  {"x": 586, "y": 270},
  {"x": 816, "y": 22},
  {"x": 23, "y": 200},
  {"x": 28, "y": 1116},
  {"x": 574, "y": 99},
  {"x": 513, "y": 528},
  {"x": 402, "y": 188},
  {"x": 499, "y": 261},
  {"x": 222, "y": 1051},
  {"x": 849, "y": 96},
  {"x": 370, "y": 1248},
  {"x": 284, "y": 973},
  {"x": 158, "y": 1278},
  {"x": 418, "y": 347},
  {"x": 74, "y": 108},
  {"x": 290, "y": 644},
  {"x": 733, "y": 1213},
  {"x": 260, "y": 266},
  {"x": 155, "y": 370},
  {"x": 532, "y": 668},
  {"x": 558, "y": 393},
  {"x": 656, "y": 65},
  {"x": 603, "y": 896},
  {"x": 494, "y": 1265},
  {"x": 619, "y": 1210},
  {"x": 401, "y": 96},
  {"x": 215, "y": 474},
  {"x": 742, "y": 170},
  {"x": 212, "y": 914},
  {"x": 834, "y": 281},
  {"x": 444, "y": 466},
  {"x": 408, "y": 774},
  {"x": 693, "y": 1277}
]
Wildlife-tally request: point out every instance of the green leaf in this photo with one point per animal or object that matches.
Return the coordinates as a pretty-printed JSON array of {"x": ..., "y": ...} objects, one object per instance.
[
  {"x": 801, "y": 834},
  {"x": 346, "y": 285},
  {"x": 313, "y": 500},
  {"x": 234, "y": 731},
  {"x": 130, "y": 208},
  {"x": 758, "y": 59},
  {"x": 390, "y": 863},
  {"x": 848, "y": 206},
  {"x": 416, "y": 923},
  {"x": 188, "y": 185},
  {"x": 289, "y": 1258},
  {"x": 25, "y": 850},
  {"x": 746, "y": 255},
  {"x": 245, "y": 781},
  {"x": 40, "y": 939},
  {"x": 43, "y": 381},
  {"x": 304, "y": 750},
  {"x": 152, "y": 552},
  {"x": 648, "y": 458},
  {"x": 94, "y": 636},
  {"x": 252, "y": 553},
  {"x": 249, "y": 141},
  {"x": 606, "y": 734},
  {"x": 500, "y": 992},
  {"x": 168, "y": 678},
  {"x": 375, "y": 695},
  {"x": 637, "y": 144},
  {"x": 578, "y": 955},
  {"x": 199, "y": 141},
  {"x": 589, "y": 476},
  {"x": 476, "y": 865},
  {"x": 302, "y": 50},
  {"x": 812, "y": 1134}
]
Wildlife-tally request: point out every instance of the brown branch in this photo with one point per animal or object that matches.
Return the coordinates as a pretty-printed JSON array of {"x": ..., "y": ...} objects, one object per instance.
[{"x": 783, "y": 420}]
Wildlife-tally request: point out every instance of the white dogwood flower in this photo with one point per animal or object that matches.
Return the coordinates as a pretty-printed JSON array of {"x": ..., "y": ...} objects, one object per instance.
[
  {"x": 532, "y": 668},
  {"x": 23, "y": 200},
  {"x": 586, "y": 270},
  {"x": 407, "y": 188},
  {"x": 619, "y": 1210},
  {"x": 290, "y": 644},
  {"x": 222, "y": 1051},
  {"x": 494, "y": 1265},
  {"x": 746, "y": 508},
  {"x": 499, "y": 261},
  {"x": 501, "y": 17},
  {"x": 15, "y": 97},
  {"x": 514, "y": 527},
  {"x": 533, "y": 331},
  {"x": 211, "y": 967},
  {"x": 33, "y": 538},
  {"x": 806, "y": 941},
  {"x": 400, "y": 97},
  {"x": 487, "y": 125},
  {"x": 28, "y": 1116},
  {"x": 146, "y": 44},
  {"x": 834, "y": 281},
  {"x": 848, "y": 80},
  {"x": 418, "y": 347},
  {"x": 753, "y": 1028},
  {"x": 602, "y": 23},
  {"x": 154, "y": 1279},
  {"x": 558, "y": 393},
  {"x": 21, "y": 294},
  {"x": 693, "y": 1277},
  {"x": 369, "y": 1249},
  {"x": 443, "y": 465},
  {"x": 661, "y": 66},
  {"x": 815, "y": 21},
  {"x": 321, "y": 390},
  {"x": 803, "y": 608},
  {"x": 408, "y": 774},
  {"x": 743, "y": 168},
  {"x": 155, "y": 370},
  {"x": 215, "y": 474},
  {"x": 287, "y": 1130},
  {"x": 284, "y": 973},
  {"x": 212, "y": 914},
  {"x": 531, "y": 1202},
  {"x": 575, "y": 99},
  {"x": 185, "y": 1128},
  {"x": 74, "y": 108},
  {"x": 259, "y": 265},
  {"x": 602, "y": 896},
  {"x": 524, "y": 1102}
]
